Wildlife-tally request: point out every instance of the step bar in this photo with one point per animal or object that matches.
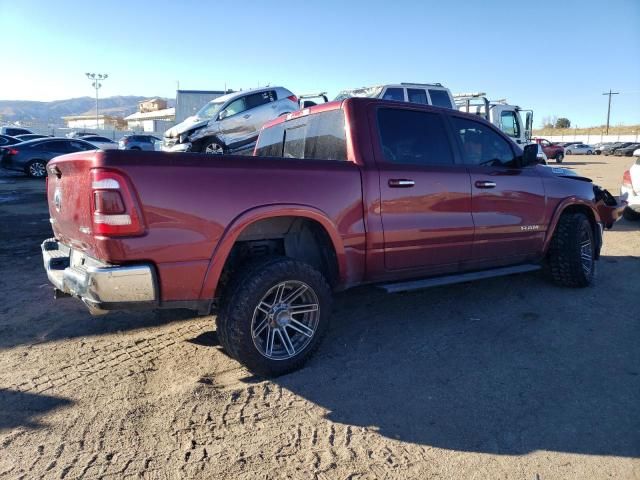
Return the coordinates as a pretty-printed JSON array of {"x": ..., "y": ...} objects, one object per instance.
[{"x": 457, "y": 278}]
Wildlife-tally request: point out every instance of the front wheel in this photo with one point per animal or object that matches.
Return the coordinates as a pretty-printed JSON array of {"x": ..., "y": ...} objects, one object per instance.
[
  {"x": 274, "y": 315},
  {"x": 212, "y": 147},
  {"x": 568, "y": 152},
  {"x": 589, "y": 152},
  {"x": 572, "y": 252},
  {"x": 37, "y": 169}
]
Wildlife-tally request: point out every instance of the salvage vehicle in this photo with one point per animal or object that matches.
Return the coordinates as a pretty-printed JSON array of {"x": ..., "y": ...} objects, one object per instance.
[
  {"x": 230, "y": 123},
  {"x": 360, "y": 191},
  {"x": 627, "y": 151},
  {"x": 551, "y": 149},
  {"x": 13, "y": 131},
  {"x": 501, "y": 114},
  {"x": 420, "y": 93},
  {"x": 611, "y": 149},
  {"x": 579, "y": 149},
  {"x": 31, "y": 157},
  {"x": 630, "y": 189}
]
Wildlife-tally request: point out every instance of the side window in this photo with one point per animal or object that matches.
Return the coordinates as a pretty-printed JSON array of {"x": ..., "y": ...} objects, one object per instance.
[
  {"x": 80, "y": 146},
  {"x": 3, "y": 141},
  {"x": 59, "y": 147},
  {"x": 510, "y": 125},
  {"x": 417, "y": 95},
  {"x": 270, "y": 141},
  {"x": 481, "y": 145},
  {"x": 411, "y": 137},
  {"x": 440, "y": 98},
  {"x": 257, "y": 99},
  {"x": 396, "y": 94},
  {"x": 235, "y": 107}
]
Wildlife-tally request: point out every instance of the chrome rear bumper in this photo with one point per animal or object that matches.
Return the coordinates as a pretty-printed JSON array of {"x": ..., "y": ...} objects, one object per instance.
[{"x": 100, "y": 286}]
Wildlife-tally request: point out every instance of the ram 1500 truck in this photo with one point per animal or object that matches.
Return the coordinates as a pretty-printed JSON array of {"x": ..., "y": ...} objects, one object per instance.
[{"x": 362, "y": 191}]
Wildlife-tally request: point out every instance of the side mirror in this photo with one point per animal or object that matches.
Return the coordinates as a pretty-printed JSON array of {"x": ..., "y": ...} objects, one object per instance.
[
  {"x": 530, "y": 155},
  {"x": 223, "y": 115}
]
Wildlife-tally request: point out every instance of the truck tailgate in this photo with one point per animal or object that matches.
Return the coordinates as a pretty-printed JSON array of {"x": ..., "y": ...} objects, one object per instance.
[{"x": 69, "y": 196}]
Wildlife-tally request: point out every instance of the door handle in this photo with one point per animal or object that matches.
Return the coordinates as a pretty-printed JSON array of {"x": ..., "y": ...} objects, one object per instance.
[
  {"x": 246, "y": 116},
  {"x": 401, "y": 183},
  {"x": 485, "y": 184}
]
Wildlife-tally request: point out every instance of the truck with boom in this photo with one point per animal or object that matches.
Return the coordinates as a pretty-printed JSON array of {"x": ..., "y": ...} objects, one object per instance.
[{"x": 360, "y": 191}]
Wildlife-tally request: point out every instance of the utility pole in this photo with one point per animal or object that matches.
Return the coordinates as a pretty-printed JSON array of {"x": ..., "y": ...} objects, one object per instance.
[
  {"x": 96, "y": 78},
  {"x": 609, "y": 109}
]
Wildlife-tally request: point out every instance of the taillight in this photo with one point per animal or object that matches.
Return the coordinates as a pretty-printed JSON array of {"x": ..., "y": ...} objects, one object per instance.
[
  {"x": 293, "y": 98},
  {"x": 626, "y": 179},
  {"x": 114, "y": 207},
  {"x": 12, "y": 151}
]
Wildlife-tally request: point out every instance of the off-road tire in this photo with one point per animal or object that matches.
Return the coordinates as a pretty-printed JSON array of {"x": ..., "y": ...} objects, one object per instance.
[
  {"x": 241, "y": 297},
  {"x": 630, "y": 214},
  {"x": 559, "y": 157},
  {"x": 564, "y": 257}
]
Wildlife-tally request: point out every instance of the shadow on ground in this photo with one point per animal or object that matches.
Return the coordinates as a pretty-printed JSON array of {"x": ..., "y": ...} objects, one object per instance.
[{"x": 19, "y": 409}]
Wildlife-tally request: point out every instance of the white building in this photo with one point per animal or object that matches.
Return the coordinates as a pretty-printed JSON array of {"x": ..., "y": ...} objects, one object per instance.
[
  {"x": 89, "y": 121},
  {"x": 153, "y": 121}
]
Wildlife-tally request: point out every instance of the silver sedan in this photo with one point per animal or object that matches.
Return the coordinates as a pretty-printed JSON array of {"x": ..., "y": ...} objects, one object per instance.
[{"x": 579, "y": 149}]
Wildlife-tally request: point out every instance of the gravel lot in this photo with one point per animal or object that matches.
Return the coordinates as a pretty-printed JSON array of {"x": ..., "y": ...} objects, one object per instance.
[{"x": 506, "y": 378}]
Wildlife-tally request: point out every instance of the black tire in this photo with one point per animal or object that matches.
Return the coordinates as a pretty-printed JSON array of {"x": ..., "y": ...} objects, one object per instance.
[
  {"x": 36, "y": 169},
  {"x": 566, "y": 262},
  {"x": 630, "y": 214},
  {"x": 568, "y": 152},
  {"x": 559, "y": 157},
  {"x": 135, "y": 148},
  {"x": 212, "y": 146},
  {"x": 239, "y": 314},
  {"x": 589, "y": 152}
]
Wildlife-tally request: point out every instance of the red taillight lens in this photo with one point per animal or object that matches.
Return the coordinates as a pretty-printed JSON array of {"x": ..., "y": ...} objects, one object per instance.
[
  {"x": 293, "y": 98},
  {"x": 626, "y": 179},
  {"x": 12, "y": 151},
  {"x": 114, "y": 207}
]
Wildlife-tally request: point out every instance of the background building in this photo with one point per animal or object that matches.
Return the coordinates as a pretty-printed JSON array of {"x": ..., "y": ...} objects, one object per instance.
[
  {"x": 188, "y": 102},
  {"x": 89, "y": 121},
  {"x": 152, "y": 121}
]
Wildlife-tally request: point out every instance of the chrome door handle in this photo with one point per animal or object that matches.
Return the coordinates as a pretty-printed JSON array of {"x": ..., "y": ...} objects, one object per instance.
[
  {"x": 246, "y": 116},
  {"x": 485, "y": 184},
  {"x": 401, "y": 183}
]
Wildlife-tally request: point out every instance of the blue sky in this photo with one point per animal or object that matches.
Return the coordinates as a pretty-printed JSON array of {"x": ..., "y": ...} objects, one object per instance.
[{"x": 555, "y": 57}]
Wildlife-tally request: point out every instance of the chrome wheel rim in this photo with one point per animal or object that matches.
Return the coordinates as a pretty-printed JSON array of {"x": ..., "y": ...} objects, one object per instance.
[
  {"x": 213, "y": 149},
  {"x": 586, "y": 254},
  {"x": 37, "y": 169},
  {"x": 285, "y": 320}
]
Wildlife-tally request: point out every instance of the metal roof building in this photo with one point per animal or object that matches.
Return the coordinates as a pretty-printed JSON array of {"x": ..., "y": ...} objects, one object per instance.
[{"x": 188, "y": 102}]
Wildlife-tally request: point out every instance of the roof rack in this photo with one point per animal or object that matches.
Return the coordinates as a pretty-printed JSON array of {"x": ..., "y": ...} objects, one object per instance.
[{"x": 422, "y": 84}]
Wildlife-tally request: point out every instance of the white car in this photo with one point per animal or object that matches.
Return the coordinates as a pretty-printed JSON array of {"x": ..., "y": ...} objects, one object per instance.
[
  {"x": 579, "y": 149},
  {"x": 103, "y": 143},
  {"x": 630, "y": 189}
]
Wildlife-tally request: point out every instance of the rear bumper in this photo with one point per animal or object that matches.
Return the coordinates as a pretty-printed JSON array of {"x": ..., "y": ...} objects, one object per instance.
[
  {"x": 100, "y": 286},
  {"x": 631, "y": 197}
]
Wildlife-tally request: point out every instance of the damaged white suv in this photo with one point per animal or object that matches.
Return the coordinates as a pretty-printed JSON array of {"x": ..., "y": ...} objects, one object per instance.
[{"x": 230, "y": 123}]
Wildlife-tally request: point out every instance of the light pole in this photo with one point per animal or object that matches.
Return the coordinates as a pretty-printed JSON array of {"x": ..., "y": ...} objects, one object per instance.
[
  {"x": 609, "y": 108},
  {"x": 96, "y": 78}
]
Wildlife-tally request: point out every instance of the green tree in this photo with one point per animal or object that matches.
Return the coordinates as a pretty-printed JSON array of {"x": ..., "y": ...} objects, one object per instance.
[{"x": 563, "y": 122}]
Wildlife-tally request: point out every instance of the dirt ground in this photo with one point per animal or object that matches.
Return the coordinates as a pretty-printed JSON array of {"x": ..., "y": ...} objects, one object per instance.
[{"x": 509, "y": 378}]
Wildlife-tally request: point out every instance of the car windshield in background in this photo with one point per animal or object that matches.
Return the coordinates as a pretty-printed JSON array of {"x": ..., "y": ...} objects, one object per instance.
[
  {"x": 369, "y": 92},
  {"x": 320, "y": 136},
  {"x": 210, "y": 110}
]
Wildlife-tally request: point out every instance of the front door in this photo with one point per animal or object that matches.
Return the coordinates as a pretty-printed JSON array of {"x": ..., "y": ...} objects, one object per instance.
[
  {"x": 508, "y": 201},
  {"x": 425, "y": 195}
]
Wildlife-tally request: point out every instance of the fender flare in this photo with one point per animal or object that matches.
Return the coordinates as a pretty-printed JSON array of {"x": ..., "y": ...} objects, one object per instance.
[
  {"x": 560, "y": 209},
  {"x": 236, "y": 227}
]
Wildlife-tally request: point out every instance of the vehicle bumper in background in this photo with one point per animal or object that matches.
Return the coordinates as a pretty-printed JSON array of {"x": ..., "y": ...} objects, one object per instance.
[
  {"x": 100, "y": 286},
  {"x": 632, "y": 198},
  {"x": 176, "y": 147}
]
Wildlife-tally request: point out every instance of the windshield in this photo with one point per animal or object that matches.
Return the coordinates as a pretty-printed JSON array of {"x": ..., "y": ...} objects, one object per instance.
[
  {"x": 210, "y": 110},
  {"x": 368, "y": 92}
]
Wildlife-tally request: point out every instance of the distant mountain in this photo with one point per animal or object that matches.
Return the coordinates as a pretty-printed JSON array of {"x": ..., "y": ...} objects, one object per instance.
[{"x": 51, "y": 112}]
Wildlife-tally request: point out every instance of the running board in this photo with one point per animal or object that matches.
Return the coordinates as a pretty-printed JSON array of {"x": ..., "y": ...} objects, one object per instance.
[{"x": 458, "y": 278}]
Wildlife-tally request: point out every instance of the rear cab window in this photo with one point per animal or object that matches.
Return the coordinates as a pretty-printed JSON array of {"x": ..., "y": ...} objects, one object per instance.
[
  {"x": 319, "y": 136},
  {"x": 440, "y": 98}
]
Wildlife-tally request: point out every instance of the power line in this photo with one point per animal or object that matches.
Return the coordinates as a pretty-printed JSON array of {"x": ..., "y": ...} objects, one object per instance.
[
  {"x": 609, "y": 109},
  {"x": 97, "y": 78}
]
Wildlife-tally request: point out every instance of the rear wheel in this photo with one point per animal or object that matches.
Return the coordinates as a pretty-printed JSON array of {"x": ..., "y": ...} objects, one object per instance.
[
  {"x": 630, "y": 214},
  {"x": 274, "y": 315},
  {"x": 559, "y": 157},
  {"x": 37, "y": 169},
  {"x": 572, "y": 251},
  {"x": 568, "y": 152},
  {"x": 589, "y": 152}
]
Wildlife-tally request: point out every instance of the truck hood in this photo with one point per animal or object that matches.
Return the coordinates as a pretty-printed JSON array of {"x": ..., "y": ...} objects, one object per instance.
[
  {"x": 565, "y": 173},
  {"x": 188, "y": 124}
]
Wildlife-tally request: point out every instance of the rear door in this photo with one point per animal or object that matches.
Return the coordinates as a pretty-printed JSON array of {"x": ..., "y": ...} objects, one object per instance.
[
  {"x": 425, "y": 194},
  {"x": 508, "y": 201}
]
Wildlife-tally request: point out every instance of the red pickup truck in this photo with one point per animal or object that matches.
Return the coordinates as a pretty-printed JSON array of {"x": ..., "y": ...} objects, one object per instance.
[{"x": 362, "y": 191}]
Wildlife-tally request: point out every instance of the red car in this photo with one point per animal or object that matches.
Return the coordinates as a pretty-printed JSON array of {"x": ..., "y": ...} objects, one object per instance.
[
  {"x": 551, "y": 150},
  {"x": 362, "y": 191}
]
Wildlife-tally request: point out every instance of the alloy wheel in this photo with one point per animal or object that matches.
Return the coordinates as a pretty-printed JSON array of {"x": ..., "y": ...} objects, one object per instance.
[
  {"x": 213, "y": 149},
  {"x": 285, "y": 320},
  {"x": 37, "y": 169}
]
